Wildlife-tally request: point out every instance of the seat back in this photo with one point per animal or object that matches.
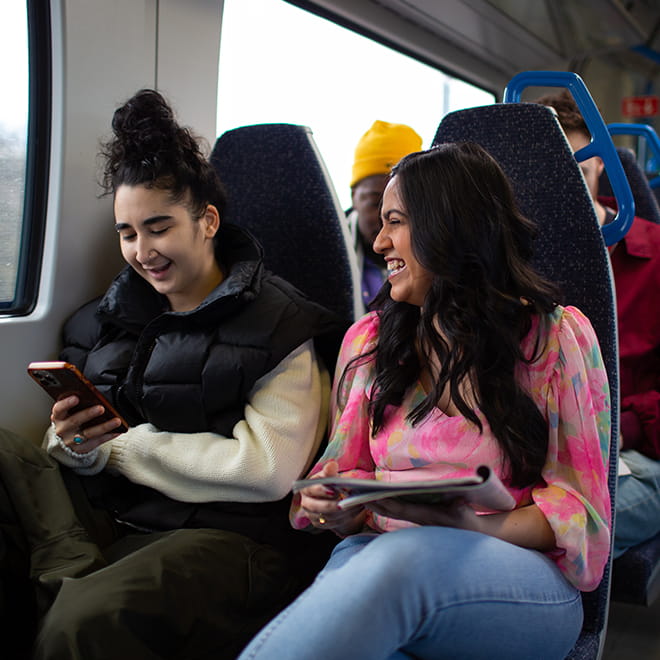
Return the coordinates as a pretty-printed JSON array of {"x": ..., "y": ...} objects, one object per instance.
[
  {"x": 636, "y": 574},
  {"x": 279, "y": 189},
  {"x": 648, "y": 142},
  {"x": 528, "y": 142},
  {"x": 646, "y": 204}
]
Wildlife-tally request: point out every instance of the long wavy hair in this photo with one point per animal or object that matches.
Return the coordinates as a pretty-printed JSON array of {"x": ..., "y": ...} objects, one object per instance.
[
  {"x": 149, "y": 147},
  {"x": 467, "y": 231}
]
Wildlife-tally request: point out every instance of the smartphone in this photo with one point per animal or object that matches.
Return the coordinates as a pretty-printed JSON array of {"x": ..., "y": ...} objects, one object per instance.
[{"x": 61, "y": 379}]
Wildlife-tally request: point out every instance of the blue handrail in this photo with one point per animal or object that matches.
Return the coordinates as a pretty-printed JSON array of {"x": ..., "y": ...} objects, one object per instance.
[
  {"x": 641, "y": 130},
  {"x": 601, "y": 143}
]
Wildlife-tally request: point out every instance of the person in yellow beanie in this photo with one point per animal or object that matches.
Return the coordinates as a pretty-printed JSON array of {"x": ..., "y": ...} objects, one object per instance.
[{"x": 378, "y": 150}]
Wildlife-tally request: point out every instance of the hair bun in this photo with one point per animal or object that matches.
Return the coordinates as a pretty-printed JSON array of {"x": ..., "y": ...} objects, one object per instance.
[
  {"x": 145, "y": 126},
  {"x": 149, "y": 147}
]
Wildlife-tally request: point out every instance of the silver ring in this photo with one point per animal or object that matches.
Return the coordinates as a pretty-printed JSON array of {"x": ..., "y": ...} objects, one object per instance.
[{"x": 79, "y": 439}]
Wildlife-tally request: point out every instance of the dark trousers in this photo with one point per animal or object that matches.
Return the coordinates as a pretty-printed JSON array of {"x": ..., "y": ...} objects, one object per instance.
[{"x": 87, "y": 589}]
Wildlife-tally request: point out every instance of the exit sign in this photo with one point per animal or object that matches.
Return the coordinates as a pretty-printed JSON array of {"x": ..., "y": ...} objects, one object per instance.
[{"x": 640, "y": 106}]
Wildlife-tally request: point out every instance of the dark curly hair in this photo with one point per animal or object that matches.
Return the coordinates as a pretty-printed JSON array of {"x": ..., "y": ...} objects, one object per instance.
[
  {"x": 467, "y": 231},
  {"x": 150, "y": 148}
]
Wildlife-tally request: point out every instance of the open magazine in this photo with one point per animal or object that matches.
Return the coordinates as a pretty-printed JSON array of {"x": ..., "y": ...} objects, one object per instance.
[{"x": 482, "y": 490}]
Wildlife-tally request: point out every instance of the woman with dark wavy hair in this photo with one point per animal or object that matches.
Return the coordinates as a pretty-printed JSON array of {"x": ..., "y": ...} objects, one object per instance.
[
  {"x": 172, "y": 539},
  {"x": 469, "y": 361}
]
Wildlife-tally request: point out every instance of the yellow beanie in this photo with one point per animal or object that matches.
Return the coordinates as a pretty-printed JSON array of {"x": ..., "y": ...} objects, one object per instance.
[{"x": 381, "y": 148}]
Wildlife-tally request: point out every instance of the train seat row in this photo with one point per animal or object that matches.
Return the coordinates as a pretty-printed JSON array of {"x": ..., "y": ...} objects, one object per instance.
[{"x": 280, "y": 190}]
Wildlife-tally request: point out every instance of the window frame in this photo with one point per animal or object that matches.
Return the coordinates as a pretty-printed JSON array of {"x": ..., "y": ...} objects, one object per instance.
[{"x": 37, "y": 165}]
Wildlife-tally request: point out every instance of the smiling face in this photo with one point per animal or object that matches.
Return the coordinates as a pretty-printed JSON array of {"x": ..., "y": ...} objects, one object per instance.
[
  {"x": 166, "y": 246},
  {"x": 410, "y": 281}
]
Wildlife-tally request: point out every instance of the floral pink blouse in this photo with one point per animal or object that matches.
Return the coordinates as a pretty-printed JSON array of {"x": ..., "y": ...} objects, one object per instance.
[{"x": 569, "y": 385}]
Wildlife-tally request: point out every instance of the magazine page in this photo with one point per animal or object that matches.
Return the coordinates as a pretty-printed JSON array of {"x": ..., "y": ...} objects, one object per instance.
[{"x": 483, "y": 490}]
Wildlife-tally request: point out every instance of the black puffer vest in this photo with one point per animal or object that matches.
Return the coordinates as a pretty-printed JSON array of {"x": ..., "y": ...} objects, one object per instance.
[{"x": 192, "y": 371}]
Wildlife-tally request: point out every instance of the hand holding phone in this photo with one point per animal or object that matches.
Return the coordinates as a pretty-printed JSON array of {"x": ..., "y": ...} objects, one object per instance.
[{"x": 61, "y": 379}]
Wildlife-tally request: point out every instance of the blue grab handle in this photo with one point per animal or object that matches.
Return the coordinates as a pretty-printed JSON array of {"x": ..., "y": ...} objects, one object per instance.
[
  {"x": 601, "y": 143},
  {"x": 645, "y": 131}
]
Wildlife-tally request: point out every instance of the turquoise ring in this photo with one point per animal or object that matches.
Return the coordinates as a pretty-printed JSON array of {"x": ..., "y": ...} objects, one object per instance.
[{"x": 79, "y": 439}]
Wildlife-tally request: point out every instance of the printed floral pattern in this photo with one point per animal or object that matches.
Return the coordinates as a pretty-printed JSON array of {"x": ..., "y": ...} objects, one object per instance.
[{"x": 569, "y": 385}]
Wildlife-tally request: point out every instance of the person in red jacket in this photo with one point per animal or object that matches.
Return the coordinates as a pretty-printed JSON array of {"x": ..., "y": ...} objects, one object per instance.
[{"x": 636, "y": 268}]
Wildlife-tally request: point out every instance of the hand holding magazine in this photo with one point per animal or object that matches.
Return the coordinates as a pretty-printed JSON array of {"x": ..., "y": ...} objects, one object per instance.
[{"x": 483, "y": 490}]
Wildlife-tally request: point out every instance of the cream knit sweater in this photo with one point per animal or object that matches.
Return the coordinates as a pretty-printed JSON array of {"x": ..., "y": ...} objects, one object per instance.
[{"x": 285, "y": 417}]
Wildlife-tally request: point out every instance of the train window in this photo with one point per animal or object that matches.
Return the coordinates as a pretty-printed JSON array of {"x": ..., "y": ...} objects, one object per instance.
[
  {"x": 279, "y": 63},
  {"x": 24, "y": 132}
]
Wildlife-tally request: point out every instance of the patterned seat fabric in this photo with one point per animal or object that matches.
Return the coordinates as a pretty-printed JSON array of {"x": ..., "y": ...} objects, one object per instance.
[{"x": 279, "y": 189}]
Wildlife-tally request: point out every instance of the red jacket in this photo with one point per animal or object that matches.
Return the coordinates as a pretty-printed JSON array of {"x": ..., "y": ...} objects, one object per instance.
[{"x": 636, "y": 268}]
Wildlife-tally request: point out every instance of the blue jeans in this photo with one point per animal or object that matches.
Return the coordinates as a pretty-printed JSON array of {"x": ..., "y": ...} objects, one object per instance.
[
  {"x": 637, "y": 502},
  {"x": 429, "y": 593}
]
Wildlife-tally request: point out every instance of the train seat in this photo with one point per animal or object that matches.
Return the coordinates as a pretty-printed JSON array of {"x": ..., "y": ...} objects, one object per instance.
[
  {"x": 636, "y": 574},
  {"x": 651, "y": 148},
  {"x": 646, "y": 204},
  {"x": 279, "y": 189},
  {"x": 529, "y": 143}
]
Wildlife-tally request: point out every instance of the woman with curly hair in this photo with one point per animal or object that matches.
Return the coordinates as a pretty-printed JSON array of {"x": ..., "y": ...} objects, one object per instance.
[
  {"x": 469, "y": 361},
  {"x": 172, "y": 540}
]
